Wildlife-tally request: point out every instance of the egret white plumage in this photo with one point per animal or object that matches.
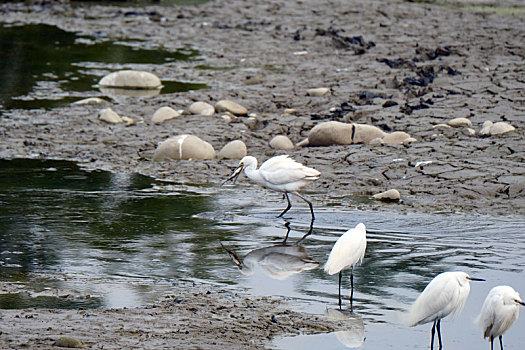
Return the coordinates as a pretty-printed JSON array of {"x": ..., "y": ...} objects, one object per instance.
[
  {"x": 499, "y": 311},
  {"x": 348, "y": 251},
  {"x": 446, "y": 294},
  {"x": 281, "y": 174}
]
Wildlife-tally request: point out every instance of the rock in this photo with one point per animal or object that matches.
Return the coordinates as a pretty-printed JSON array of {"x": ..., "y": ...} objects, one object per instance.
[
  {"x": 471, "y": 131},
  {"x": 281, "y": 142},
  {"x": 202, "y": 108},
  {"x": 184, "y": 147},
  {"x": 129, "y": 121},
  {"x": 251, "y": 123},
  {"x": 233, "y": 150},
  {"x": 164, "y": 113},
  {"x": 441, "y": 126},
  {"x": 485, "y": 129},
  {"x": 109, "y": 116},
  {"x": 376, "y": 141},
  {"x": 130, "y": 79},
  {"x": 302, "y": 143},
  {"x": 388, "y": 196},
  {"x": 491, "y": 129},
  {"x": 226, "y": 118},
  {"x": 501, "y": 128},
  {"x": 397, "y": 137},
  {"x": 90, "y": 101},
  {"x": 230, "y": 106},
  {"x": 365, "y": 133},
  {"x": 330, "y": 133},
  {"x": 68, "y": 342},
  {"x": 409, "y": 141},
  {"x": 337, "y": 133},
  {"x": 318, "y": 92},
  {"x": 459, "y": 122}
]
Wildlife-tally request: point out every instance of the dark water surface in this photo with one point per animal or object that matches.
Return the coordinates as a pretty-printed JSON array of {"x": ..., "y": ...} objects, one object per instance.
[
  {"x": 42, "y": 66},
  {"x": 70, "y": 238}
]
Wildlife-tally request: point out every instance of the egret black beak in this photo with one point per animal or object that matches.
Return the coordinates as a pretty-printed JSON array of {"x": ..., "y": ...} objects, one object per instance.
[
  {"x": 476, "y": 279},
  {"x": 234, "y": 175},
  {"x": 520, "y": 302},
  {"x": 232, "y": 255}
]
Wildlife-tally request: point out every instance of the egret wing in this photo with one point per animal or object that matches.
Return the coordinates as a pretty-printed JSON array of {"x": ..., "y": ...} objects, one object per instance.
[
  {"x": 348, "y": 250},
  {"x": 283, "y": 170},
  {"x": 436, "y": 301}
]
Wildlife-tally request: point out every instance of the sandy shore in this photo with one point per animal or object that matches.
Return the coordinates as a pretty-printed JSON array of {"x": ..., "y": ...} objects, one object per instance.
[{"x": 431, "y": 62}]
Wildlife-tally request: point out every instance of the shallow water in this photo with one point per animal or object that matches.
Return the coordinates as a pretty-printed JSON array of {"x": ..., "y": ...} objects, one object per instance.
[
  {"x": 70, "y": 238},
  {"x": 42, "y": 66}
]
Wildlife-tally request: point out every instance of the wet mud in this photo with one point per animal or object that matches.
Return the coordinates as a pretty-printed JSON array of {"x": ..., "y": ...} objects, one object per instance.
[{"x": 402, "y": 66}]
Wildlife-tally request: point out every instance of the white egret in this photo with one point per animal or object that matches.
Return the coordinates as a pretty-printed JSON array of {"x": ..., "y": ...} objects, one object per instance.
[
  {"x": 499, "y": 311},
  {"x": 446, "y": 294},
  {"x": 348, "y": 251},
  {"x": 281, "y": 174}
]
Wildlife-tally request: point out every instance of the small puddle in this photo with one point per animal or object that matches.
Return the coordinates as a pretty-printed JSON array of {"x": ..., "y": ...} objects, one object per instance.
[{"x": 42, "y": 66}]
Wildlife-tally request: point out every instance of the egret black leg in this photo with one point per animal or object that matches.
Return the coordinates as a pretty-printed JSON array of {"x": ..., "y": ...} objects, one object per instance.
[
  {"x": 352, "y": 289},
  {"x": 438, "y": 326},
  {"x": 307, "y": 233},
  {"x": 288, "y": 229},
  {"x": 340, "y": 276},
  {"x": 491, "y": 343},
  {"x": 501, "y": 342},
  {"x": 287, "y": 207},
  {"x": 432, "y": 332},
  {"x": 309, "y": 204}
]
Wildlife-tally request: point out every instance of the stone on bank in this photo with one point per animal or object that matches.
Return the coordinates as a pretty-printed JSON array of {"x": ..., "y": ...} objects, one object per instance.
[{"x": 184, "y": 147}]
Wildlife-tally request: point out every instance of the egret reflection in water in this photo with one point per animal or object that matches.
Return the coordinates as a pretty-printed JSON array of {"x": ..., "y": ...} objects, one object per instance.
[
  {"x": 278, "y": 261},
  {"x": 353, "y": 333}
]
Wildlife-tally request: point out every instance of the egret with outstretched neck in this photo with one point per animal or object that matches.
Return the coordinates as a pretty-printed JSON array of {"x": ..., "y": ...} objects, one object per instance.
[
  {"x": 499, "y": 311},
  {"x": 281, "y": 174},
  {"x": 445, "y": 295},
  {"x": 348, "y": 251}
]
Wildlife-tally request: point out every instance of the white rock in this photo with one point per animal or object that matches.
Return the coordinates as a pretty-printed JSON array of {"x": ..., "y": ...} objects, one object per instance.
[
  {"x": 129, "y": 121},
  {"x": 365, "y": 133},
  {"x": 302, "y": 143},
  {"x": 318, "y": 92},
  {"x": 230, "y": 106},
  {"x": 501, "y": 128},
  {"x": 441, "y": 126},
  {"x": 390, "y": 195},
  {"x": 471, "y": 131},
  {"x": 202, "y": 108},
  {"x": 485, "y": 129},
  {"x": 233, "y": 150},
  {"x": 376, "y": 141},
  {"x": 459, "y": 122},
  {"x": 226, "y": 118},
  {"x": 281, "y": 142},
  {"x": 330, "y": 133},
  {"x": 409, "y": 141},
  {"x": 397, "y": 137},
  {"x": 337, "y": 133},
  {"x": 130, "y": 79},
  {"x": 164, "y": 113},
  {"x": 184, "y": 147},
  {"x": 109, "y": 116},
  {"x": 90, "y": 101}
]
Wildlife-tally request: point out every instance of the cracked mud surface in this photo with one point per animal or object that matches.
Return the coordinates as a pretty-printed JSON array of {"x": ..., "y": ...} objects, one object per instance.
[{"x": 429, "y": 63}]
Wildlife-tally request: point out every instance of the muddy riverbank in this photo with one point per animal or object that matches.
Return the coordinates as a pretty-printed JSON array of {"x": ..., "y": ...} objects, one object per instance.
[{"x": 402, "y": 66}]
